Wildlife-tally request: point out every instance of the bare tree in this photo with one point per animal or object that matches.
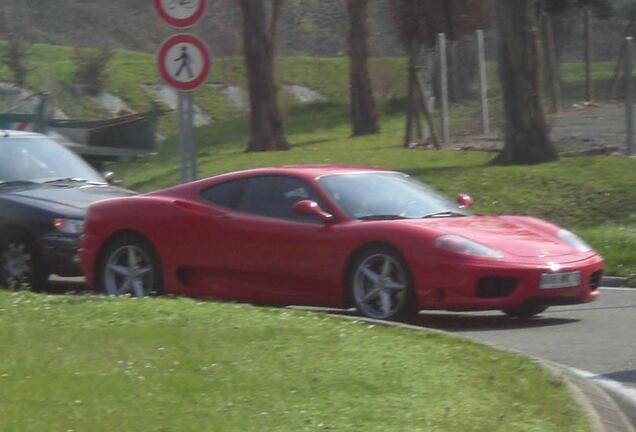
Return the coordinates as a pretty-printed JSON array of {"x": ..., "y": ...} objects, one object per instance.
[
  {"x": 416, "y": 27},
  {"x": 15, "y": 58},
  {"x": 364, "y": 115},
  {"x": 267, "y": 131},
  {"x": 91, "y": 68},
  {"x": 526, "y": 130}
]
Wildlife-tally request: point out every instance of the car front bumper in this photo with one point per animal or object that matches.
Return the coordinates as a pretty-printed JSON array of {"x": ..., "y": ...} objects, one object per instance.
[
  {"x": 60, "y": 254},
  {"x": 492, "y": 286}
]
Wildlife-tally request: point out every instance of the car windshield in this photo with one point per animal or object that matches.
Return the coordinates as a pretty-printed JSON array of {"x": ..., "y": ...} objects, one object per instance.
[
  {"x": 41, "y": 160},
  {"x": 374, "y": 196}
]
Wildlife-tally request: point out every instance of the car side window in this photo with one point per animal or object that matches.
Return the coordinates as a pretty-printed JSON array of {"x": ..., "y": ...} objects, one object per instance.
[
  {"x": 275, "y": 196},
  {"x": 226, "y": 194}
]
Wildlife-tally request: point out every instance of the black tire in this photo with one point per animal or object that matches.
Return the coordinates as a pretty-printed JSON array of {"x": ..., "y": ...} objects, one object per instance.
[
  {"x": 370, "y": 289},
  {"x": 21, "y": 265},
  {"x": 115, "y": 261},
  {"x": 525, "y": 311}
]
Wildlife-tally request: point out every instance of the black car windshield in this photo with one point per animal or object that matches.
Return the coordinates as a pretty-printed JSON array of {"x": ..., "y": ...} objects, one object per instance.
[
  {"x": 39, "y": 159},
  {"x": 376, "y": 196}
]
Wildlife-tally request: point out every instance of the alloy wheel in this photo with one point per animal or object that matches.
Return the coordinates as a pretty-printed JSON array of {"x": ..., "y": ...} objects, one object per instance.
[
  {"x": 17, "y": 265},
  {"x": 380, "y": 286},
  {"x": 129, "y": 270}
]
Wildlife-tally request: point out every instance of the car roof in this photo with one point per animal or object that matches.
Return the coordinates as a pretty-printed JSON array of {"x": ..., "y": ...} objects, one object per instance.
[{"x": 308, "y": 170}]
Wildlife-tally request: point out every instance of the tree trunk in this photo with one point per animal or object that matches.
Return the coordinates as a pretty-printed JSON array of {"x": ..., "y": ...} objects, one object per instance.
[
  {"x": 364, "y": 116},
  {"x": 267, "y": 131},
  {"x": 526, "y": 130}
]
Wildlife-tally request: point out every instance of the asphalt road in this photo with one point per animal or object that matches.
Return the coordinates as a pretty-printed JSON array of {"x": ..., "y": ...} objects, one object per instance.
[{"x": 598, "y": 337}]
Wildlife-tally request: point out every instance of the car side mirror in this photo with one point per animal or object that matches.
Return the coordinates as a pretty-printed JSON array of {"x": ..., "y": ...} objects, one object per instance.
[
  {"x": 311, "y": 208},
  {"x": 465, "y": 201},
  {"x": 109, "y": 176}
]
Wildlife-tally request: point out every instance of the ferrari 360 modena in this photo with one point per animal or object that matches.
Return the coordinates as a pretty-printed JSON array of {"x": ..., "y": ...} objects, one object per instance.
[{"x": 333, "y": 236}]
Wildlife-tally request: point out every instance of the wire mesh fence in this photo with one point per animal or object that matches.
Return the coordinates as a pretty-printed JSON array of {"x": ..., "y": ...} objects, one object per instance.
[{"x": 583, "y": 68}]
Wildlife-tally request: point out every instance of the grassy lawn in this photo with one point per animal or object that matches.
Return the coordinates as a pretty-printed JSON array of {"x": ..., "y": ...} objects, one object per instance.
[
  {"x": 130, "y": 72},
  {"x": 594, "y": 196},
  {"x": 87, "y": 363}
]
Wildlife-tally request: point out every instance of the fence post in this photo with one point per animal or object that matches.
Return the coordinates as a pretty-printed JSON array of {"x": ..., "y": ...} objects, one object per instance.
[
  {"x": 483, "y": 83},
  {"x": 629, "y": 108},
  {"x": 588, "y": 56},
  {"x": 444, "y": 87}
]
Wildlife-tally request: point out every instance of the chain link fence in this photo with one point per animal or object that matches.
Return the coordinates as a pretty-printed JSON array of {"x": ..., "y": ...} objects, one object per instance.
[{"x": 583, "y": 70}]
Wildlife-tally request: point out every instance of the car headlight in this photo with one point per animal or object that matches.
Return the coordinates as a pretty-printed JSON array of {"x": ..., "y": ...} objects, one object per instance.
[
  {"x": 69, "y": 226},
  {"x": 574, "y": 241},
  {"x": 463, "y": 246}
]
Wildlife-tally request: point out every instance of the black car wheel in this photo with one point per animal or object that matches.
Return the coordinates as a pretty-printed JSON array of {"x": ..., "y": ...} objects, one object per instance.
[
  {"x": 525, "y": 311},
  {"x": 381, "y": 286},
  {"x": 20, "y": 264},
  {"x": 129, "y": 266}
]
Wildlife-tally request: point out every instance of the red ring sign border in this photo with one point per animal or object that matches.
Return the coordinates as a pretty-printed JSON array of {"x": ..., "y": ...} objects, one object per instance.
[
  {"x": 165, "y": 74},
  {"x": 180, "y": 23}
]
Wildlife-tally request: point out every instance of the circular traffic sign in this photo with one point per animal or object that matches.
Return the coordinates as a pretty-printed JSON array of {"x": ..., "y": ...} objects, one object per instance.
[
  {"x": 184, "y": 62},
  {"x": 180, "y": 13}
]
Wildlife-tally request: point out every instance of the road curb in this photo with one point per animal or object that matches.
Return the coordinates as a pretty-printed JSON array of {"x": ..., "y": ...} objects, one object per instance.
[
  {"x": 602, "y": 412},
  {"x": 615, "y": 282}
]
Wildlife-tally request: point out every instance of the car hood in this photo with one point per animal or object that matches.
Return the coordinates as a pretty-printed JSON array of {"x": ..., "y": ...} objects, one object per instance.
[
  {"x": 77, "y": 197},
  {"x": 508, "y": 234}
]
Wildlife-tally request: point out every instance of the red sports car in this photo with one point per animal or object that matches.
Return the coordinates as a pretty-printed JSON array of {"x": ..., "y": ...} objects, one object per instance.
[{"x": 333, "y": 236}]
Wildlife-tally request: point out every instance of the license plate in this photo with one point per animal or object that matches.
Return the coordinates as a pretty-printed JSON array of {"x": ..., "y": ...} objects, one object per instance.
[{"x": 560, "y": 280}]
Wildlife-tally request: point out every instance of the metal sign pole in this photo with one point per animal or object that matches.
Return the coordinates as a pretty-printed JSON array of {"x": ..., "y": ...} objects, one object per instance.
[
  {"x": 483, "y": 83},
  {"x": 189, "y": 106},
  {"x": 187, "y": 145},
  {"x": 182, "y": 137}
]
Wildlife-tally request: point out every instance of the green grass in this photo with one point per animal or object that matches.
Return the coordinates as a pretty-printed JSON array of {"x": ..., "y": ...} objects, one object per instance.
[
  {"x": 52, "y": 70},
  {"x": 102, "y": 364}
]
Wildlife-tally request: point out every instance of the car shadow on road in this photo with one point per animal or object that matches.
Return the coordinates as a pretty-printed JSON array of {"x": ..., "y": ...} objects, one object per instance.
[
  {"x": 474, "y": 323},
  {"x": 466, "y": 322},
  {"x": 626, "y": 376}
]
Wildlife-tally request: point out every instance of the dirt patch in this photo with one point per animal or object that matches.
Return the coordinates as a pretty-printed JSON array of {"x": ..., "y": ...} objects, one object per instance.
[{"x": 579, "y": 130}]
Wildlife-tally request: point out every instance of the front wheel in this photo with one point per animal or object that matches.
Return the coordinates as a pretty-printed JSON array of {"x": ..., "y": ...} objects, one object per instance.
[
  {"x": 381, "y": 286},
  {"x": 525, "y": 311},
  {"x": 129, "y": 266},
  {"x": 20, "y": 262}
]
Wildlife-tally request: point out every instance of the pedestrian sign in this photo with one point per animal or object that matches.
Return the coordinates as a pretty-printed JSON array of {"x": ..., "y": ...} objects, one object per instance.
[
  {"x": 184, "y": 62},
  {"x": 180, "y": 13}
]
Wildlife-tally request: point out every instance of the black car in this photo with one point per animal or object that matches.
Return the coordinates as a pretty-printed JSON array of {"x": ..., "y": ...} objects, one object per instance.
[{"x": 45, "y": 190}]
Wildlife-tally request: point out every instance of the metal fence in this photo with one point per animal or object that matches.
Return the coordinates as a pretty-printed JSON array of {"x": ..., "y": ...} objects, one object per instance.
[{"x": 584, "y": 59}]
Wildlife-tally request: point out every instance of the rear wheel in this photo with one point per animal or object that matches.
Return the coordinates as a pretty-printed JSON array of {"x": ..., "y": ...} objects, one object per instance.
[
  {"x": 525, "y": 311},
  {"x": 20, "y": 264},
  {"x": 381, "y": 286},
  {"x": 129, "y": 266}
]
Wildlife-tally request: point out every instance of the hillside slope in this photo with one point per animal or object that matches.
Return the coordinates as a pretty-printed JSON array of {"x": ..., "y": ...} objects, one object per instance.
[{"x": 310, "y": 27}]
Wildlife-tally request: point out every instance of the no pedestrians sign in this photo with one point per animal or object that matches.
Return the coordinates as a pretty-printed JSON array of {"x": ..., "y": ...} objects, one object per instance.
[
  {"x": 184, "y": 62},
  {"x": 180, "y": 14}
]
